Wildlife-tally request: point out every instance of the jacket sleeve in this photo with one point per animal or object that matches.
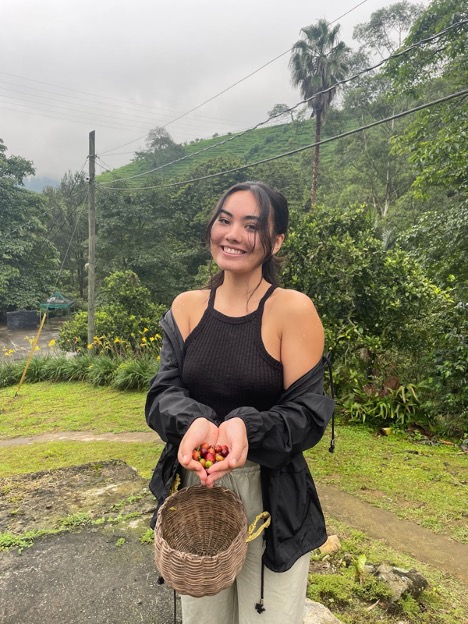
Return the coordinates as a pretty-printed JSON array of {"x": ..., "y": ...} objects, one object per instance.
[
  {"x": 169, "y": 409},
  {"x": 296, "y": 423}
]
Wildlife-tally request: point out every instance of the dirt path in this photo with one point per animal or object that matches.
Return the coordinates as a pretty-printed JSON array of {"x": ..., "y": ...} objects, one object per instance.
[
  {"x": 431, "y": 548},
  {"x": 84, "y": 436}
]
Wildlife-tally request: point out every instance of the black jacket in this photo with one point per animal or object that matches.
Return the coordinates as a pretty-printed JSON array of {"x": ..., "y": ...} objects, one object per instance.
[{"x": 277, "y": 437}]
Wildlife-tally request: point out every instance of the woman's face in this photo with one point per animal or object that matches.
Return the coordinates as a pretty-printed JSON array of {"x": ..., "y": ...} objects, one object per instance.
[{"x": 235, "y": 238}]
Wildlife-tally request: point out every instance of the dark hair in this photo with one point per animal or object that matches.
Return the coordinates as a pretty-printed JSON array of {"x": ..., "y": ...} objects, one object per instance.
[{"x": 273, "y": 213}]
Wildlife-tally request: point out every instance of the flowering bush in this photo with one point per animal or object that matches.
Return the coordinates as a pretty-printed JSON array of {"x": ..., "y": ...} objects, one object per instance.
[{"x": 126, "y": 322}]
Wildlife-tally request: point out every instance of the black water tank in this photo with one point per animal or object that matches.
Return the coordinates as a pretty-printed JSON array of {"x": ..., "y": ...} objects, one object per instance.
[{"x": 23, "y": 319}]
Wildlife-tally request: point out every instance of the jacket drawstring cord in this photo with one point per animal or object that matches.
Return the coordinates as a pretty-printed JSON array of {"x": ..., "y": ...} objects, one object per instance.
[
  {"x": 332, "y": 392},
  {"x": 259, "y": 606},
  {"x": 161, "y": 581}
]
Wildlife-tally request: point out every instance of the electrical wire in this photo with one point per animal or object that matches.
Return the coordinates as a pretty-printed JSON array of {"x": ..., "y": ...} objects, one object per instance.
[
  {"x": 231, "y": 86},
  {"x": 124, "y": 103},
  {"x": 395, "y": 55},
  {"x": 301, "y": 149},
  {"x": 68, "y": 249},
  {"x": 129, "y": 120},
  {"x": 68, "y": 197}
]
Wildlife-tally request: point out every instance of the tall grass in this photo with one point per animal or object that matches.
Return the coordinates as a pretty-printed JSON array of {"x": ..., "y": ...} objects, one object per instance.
[{"x": 123, "y": 374}]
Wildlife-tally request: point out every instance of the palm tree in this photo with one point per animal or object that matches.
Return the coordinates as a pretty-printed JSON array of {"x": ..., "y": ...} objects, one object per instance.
[{"x": 318, "y": 61}]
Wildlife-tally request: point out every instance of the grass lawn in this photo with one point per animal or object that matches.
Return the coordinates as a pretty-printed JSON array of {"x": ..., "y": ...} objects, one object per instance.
[
  {"x": 415, "y": 481},
  {"x": 15, "y": 460},
  {"x": 333, "y": 583},
  {"x": 48, "y": 407},
  {"x": 425, "y": 484}
]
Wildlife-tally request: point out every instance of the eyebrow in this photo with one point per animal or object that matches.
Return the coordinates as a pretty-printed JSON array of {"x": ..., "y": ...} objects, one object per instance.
[{"x": 246, "y": 218}]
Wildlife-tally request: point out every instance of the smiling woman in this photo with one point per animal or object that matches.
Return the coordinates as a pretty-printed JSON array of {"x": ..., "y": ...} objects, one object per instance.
[{"x": 242, "y": 366}]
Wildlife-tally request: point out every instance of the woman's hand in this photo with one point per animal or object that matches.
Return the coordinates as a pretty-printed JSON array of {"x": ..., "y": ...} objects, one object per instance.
[
  {"x": 201, "y": 430},
  {"x": 233, "y": 434}
]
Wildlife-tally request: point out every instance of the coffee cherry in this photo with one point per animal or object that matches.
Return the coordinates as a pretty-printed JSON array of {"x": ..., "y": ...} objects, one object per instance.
[{"x": 208, "y": 455}]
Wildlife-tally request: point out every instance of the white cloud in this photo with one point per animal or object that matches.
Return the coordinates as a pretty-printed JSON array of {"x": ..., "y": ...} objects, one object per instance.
[{"x": 121, "y": 68}]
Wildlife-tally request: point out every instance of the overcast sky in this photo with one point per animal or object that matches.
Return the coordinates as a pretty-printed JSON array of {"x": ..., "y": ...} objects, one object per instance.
[{"x": 120, "y": 68}]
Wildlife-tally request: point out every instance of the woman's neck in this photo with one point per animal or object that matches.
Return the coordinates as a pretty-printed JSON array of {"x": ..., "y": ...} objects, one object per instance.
[{"x": 242, "y": 293}]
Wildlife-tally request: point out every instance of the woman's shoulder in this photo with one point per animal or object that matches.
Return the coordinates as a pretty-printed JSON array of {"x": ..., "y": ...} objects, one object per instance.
[
  {"x": 190, "y": 297},
  {"x": 188, "y": 307},
  {"x": 293, "y": 302}
]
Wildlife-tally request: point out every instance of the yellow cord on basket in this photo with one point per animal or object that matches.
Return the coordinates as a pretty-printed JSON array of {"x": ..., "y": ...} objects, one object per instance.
[{"x": 252, "y": 533}]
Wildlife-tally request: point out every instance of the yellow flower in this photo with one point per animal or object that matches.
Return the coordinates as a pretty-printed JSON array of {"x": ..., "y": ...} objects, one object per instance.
[
  {"x": 117, "y": 340},
  {"x": 90, "y": 346},
  {"x": 145, "y": 330},
  {"x": 152, "y": 339},
  {"x": 52, "y": 343}
]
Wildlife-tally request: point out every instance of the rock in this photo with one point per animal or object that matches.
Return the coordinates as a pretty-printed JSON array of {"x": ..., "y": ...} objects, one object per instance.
[
  {"x": 316, "y": 613},
  {"x": 401, "y": 582},
  {"x": 331, "y": 546}
]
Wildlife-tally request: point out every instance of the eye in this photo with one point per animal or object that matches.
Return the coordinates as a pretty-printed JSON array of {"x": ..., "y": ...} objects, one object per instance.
[
  {"x": 223, "y": 220},
  {"x": 252, "y": 227}
]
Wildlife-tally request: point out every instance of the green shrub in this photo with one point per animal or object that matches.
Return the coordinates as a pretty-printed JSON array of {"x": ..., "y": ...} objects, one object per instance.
[
  {"x": 101, "y": 370},
  {"x": 383, "y": 406},
  {"x": 135, "y": 374},
  {"x": 10, "y": 373},
  {"x": 330, "y": 588},
  {"x": 58, "y": 368},
  {"x": 37, "y": 369},
  {"x": 78, "y": 367},
  {"x": 125, "y": 324}
]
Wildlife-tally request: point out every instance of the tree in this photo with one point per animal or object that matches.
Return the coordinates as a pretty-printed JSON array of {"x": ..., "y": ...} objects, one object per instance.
[
  {"x": 68, "y": 228},
  {"x": 435, "y": 141},
  {"x": 318, "y": 61},
  {"x": 27, "y": 258},
  {"x": 160, "y": 148},
  {"x": 378, "y": 171},
  {"x": 385, "y": 31}
]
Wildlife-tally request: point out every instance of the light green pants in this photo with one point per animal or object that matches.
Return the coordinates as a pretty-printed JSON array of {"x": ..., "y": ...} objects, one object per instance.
[{"x": 284, "y": 593}]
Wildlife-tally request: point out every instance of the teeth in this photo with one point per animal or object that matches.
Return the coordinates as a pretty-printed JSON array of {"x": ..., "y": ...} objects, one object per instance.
[{"x": 234, "y": 252}]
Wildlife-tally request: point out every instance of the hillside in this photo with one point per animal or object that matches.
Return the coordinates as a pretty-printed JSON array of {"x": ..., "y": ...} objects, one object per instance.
[{"x": 249, "y": 147}]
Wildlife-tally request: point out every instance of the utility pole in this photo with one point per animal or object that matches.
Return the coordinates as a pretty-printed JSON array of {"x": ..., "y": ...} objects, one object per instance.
[{"x": 92, "y": 236}]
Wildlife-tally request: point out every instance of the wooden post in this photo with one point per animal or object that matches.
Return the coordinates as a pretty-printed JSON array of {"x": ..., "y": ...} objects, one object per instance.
[{"x": 91, "y": 237}]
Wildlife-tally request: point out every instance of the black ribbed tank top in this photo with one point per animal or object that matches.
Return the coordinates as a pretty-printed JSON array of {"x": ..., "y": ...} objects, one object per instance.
[{"x": 226, "y": 364}]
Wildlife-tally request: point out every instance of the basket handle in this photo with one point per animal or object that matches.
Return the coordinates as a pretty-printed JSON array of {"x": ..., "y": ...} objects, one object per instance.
[{"x": 255, "y": 531}]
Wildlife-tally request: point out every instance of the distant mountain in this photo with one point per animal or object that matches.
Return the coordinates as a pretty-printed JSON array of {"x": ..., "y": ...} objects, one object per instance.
[{"x": 37, "y": 184}]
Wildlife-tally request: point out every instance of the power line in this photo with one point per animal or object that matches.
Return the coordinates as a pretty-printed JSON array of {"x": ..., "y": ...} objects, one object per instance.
[
  {"x": 301, "y": 149},
  {"x": 120, "y": 102},
  {"x": 415, "y": 45},
  {"x": 68, "y": 197},
  {"x": 69, "y": 244},
  {"x": 231, "y": 86},
  {"x": 112, "y": 116}
]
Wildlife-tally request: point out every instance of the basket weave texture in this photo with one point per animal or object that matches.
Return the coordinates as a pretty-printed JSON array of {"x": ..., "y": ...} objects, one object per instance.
[{"x": 200, "y": 540}]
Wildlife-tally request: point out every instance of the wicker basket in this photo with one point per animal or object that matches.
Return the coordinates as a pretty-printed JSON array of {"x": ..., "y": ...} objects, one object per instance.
[{"x": 200, "y": 540}]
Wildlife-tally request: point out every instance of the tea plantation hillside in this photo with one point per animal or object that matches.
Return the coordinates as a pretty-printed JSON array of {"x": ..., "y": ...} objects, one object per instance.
[{"x": 250, "y": 147}]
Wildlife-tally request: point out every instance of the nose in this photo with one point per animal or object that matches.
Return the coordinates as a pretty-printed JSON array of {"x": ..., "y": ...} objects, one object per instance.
[{"x": 234, "y": 235}]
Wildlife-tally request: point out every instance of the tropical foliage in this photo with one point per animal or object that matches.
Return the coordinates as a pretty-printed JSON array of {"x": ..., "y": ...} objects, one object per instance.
[
  {"x": 383, "y": 253},
  {"x": 318, "y": 62}
]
